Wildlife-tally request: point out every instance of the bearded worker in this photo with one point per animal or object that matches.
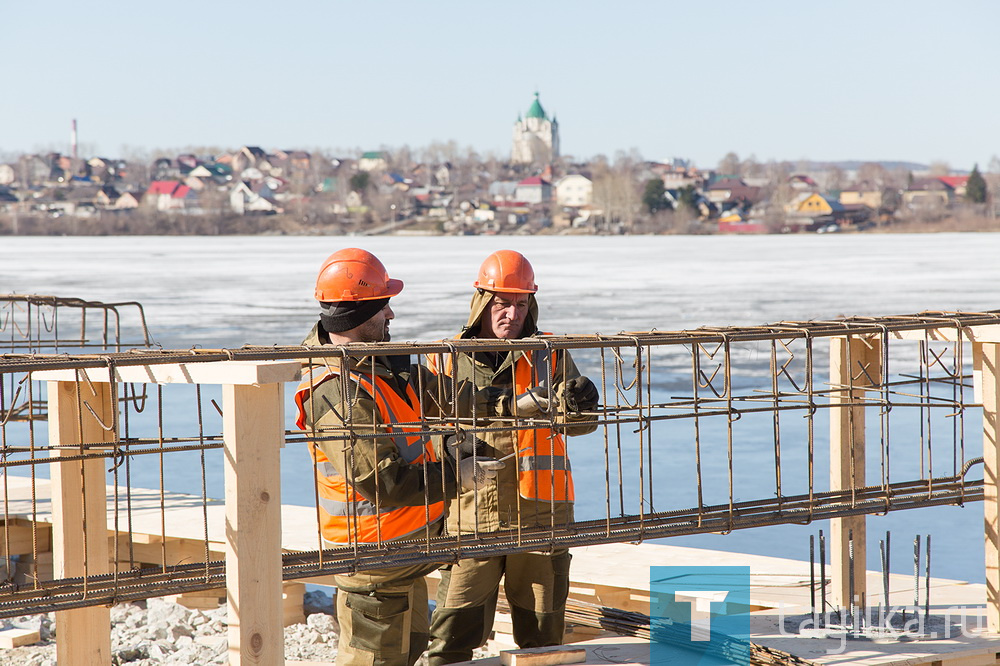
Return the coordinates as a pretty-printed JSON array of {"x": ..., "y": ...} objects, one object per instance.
[
  {"x": 537, "y": 491},
  {"x": 380, "y": 481}
]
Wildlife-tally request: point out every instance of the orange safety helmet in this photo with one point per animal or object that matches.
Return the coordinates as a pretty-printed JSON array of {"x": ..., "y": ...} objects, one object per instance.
[
  {"x": 508, "y": 272},
  {"x": 353, "y": 274}
]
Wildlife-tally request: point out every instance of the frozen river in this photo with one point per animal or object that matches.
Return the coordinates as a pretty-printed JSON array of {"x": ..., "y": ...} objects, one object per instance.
[{"x": 229, "y": 291}]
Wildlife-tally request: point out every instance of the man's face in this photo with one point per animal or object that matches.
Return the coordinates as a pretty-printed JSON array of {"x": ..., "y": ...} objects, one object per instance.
[
  {"x": 504, "y": 316},
  {"x": 376, "y": 329}
]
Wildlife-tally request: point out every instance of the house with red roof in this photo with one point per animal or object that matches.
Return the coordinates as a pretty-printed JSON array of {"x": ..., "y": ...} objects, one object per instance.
[
  {"x": 169, "y": 195},
  {"x": 935, "y": 191},
  {"x": 534, "y": 190}
]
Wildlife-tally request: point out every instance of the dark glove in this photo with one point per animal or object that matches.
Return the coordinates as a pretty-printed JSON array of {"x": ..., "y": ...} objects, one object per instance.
[
  {"x": 580, "y": 395},
  {"x": 460, "y": 446},
  {"x": 488, "y": 401}
]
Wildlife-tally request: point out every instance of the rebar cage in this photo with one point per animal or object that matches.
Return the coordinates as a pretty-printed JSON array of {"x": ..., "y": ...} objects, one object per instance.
[{"x": 699, "y": 431}]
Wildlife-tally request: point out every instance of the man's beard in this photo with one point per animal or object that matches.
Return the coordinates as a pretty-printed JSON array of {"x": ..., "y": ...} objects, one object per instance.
[{"x": 372, "y": 331}]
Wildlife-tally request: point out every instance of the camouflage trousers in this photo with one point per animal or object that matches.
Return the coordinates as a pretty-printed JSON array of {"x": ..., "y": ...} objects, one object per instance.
[{"x": 383, "y": 616}]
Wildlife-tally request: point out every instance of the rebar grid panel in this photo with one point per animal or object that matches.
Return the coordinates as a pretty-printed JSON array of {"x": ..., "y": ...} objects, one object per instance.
[
  {"x": 36, "y": 324},
  {"x": 700, "y": 431},
  {"x": 53, "y": 324}
]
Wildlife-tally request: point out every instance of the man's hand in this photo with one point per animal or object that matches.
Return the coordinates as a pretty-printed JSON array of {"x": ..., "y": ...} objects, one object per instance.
[
  {"x": 476, "y": 472},
  {"x": 462, "y": 445},
  {"x": 580, "y": 395},
  {"x": 533, "y": 402},
  {"x": 488, "y": 399}
]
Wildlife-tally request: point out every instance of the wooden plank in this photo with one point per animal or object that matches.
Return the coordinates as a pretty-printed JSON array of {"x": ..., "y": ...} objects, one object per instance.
[
  {"x": 253, "y": 432},
  {"x": 985, "y": 333},
  {"x": 855, "y": 363},
  {"x": 12, "y": 638},
  {"x": 174, "y": 551},
  {"x": 243, "y": 373},
  {"x": 79, "y": 523},
  {"x": 989, "y": 360},
  {"x": 544, "y": 656},
  {"x": 17, "y": 538}
]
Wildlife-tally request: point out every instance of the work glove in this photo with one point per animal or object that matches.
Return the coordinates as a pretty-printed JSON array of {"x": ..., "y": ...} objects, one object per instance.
[
  {"x": 580, "y": 395},
  {"x": 488, "y": 401},
  {"x": 476, "y": 472},
  {"x": 533, "y": 402},
  {"x": 463, "y": 445}
]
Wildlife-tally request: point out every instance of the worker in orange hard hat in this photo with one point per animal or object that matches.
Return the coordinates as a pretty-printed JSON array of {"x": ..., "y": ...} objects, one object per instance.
[
  {"x": 537, "y": 491},
  {"x": 373, "y": 490}
]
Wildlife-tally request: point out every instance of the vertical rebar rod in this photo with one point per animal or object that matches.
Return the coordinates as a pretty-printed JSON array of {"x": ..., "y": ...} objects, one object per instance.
[
  {"x": 927, "y": 581},
  {"x": 850, "y": 579},
  {"x": 884, "y": 607},
  {"x": 916, "y": 576},
  {"x": 822, "y": 576},
  {"x": 776, "y": 423},
  {"x": 812, "y": 579},
  {"x": 888, "y": 572}
]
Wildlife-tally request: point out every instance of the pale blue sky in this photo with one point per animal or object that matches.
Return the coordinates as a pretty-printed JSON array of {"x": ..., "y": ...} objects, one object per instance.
[{"x": 900, "y": 80}]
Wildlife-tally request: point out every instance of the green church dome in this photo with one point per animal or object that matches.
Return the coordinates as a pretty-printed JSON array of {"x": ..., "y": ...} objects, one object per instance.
[{"x": 536, "y": 110}]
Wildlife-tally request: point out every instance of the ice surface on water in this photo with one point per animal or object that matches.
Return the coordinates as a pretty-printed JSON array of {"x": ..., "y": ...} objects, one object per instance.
[{"x": 229, "y": 291}]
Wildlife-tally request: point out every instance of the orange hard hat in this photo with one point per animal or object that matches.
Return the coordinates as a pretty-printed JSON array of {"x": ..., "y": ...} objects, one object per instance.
[
  {"x": 507, "y": 271},
  {"x": 353, "y": 274}
]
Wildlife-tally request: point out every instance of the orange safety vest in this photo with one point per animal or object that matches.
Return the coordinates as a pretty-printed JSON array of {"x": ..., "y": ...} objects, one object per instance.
[
  {"x": 345, "y": 515},
  {"x": 543, "y": 468}
]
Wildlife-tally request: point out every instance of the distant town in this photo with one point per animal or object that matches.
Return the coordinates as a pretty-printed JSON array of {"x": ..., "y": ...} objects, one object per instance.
[{"x": 443, "y": 189}]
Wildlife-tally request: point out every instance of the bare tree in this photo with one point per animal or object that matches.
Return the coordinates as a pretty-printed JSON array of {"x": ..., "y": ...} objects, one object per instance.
[
  {"x": 939, "y": 168},
  {"x": 729, "y": 165}
]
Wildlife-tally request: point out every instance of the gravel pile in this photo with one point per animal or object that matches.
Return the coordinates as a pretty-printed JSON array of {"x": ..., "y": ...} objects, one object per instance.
[{"x": 161, "y": 632}]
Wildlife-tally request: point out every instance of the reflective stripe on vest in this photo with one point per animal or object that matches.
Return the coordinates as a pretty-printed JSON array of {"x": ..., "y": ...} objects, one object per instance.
[
  {"x": 345, "y": 515},
  {"x": 543, "y": 469},
  {"x": 532, "y": 463}
]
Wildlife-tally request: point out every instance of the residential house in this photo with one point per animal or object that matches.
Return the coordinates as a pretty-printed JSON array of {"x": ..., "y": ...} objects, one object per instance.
[
  {"x": 810, "y": 211},
  {"x": 864, "y": 193},
  {"x": 503, "y": 190},
  {"x": 34, "y": 169},
  {"x": 8, "y": 200},
  {"x": 128, "y": 201},
  {"x": 212, "y": 171},
  {"x": 245, "y": 201},
  {"x": 802, "y": 183},
  {"x": 442, "y": 174},
  {"x": 286, "y": 162},
  {"x": 60, "y": 168},
  {"x": 730, "y": 193},
  {"x": 956, "y": 183},
  {"x": 164, "y": 169},
  {"x": 934, "y": 192},
  {"x": 99, "y": 169},
  {"x": 675, "y": 179},
  {"x": 107, "y": 196},
  {"x": 534, "y": 190},
  {"x": 374, "y": 160},
  {"x": 85, "y": 200},
  {"x": 250, "y": 156},
  {"x": 574, "y": 190},
  {"x": 170, "y": 195}
]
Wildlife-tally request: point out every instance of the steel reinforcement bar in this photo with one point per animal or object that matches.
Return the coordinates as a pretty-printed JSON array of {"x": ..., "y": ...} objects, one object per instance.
[
  {"x": 802, "y": 509},
  {"x": 963, "y": 322}
]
